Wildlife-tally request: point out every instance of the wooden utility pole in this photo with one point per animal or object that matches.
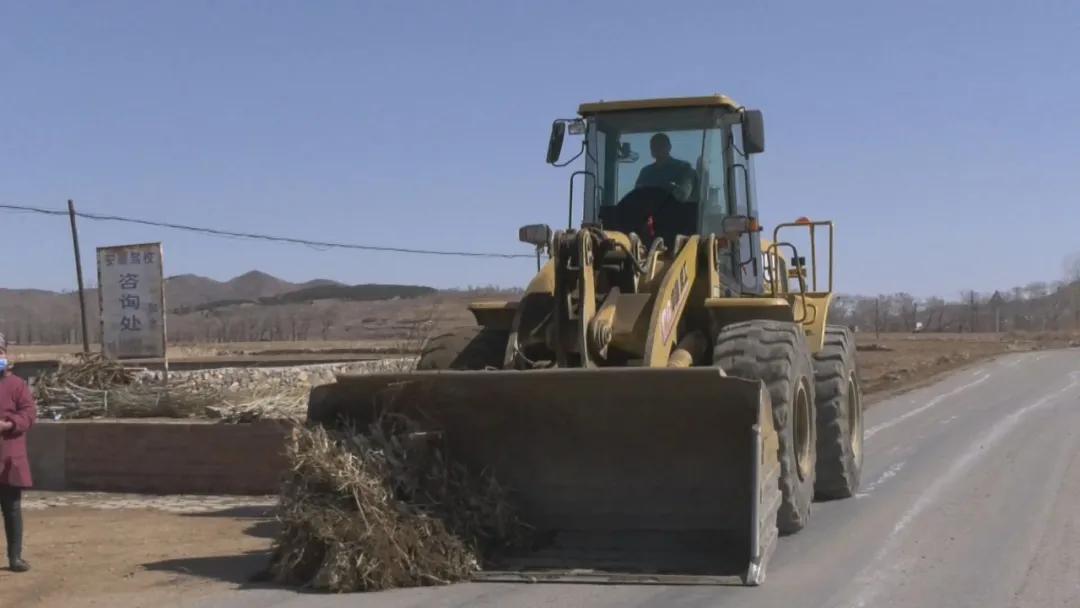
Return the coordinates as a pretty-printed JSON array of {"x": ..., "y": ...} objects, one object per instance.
[
  {"x": 995, "y": 302},
  {"x": 974, "y": 313},
  {"x": 79, "y": 277},
  {"x": 877, "y": 318}
]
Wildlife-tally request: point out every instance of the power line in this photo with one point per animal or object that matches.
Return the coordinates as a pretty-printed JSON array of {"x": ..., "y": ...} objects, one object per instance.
[{"x": 97, "y": 217}]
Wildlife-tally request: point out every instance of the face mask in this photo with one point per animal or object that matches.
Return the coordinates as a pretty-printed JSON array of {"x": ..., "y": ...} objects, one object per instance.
[{"x": 3, "y": 364}]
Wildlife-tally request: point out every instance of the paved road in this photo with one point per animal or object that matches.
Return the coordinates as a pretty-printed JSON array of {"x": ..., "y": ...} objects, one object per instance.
[{"x": 971, "y": 497}]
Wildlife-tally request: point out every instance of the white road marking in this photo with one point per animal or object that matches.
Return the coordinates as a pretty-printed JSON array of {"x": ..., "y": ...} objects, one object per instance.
[
  {"x": 886, "y": 476},
  {"x": 874, "y": 430},
  {"x": 875, "y": 575},
  {"x": 948, "y": 420},
  {"x": 1016, "y": 361}
]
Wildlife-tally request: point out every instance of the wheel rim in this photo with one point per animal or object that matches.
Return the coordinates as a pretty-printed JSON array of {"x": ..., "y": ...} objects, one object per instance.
[
  {"x": 801, "y": 412},
  {"x": 855, "y": 422}
]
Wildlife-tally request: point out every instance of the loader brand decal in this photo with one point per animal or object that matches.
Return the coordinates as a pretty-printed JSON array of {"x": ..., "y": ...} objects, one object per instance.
[{"x": 678, "y": 294}]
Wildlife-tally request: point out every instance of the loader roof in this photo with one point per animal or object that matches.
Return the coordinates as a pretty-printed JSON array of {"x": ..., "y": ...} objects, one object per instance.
[{"x": 708, "y": 101}]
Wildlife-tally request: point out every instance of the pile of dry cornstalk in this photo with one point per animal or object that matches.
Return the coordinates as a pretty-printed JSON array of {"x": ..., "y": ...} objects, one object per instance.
[
  {"x": 385, "y": 508},
  {"x": 95, "y": 387},
  {"x": 250, "y": 406}
]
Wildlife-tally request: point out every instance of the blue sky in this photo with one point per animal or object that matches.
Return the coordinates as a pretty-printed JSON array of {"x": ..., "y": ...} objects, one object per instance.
[{"x": 941, "y": 137}]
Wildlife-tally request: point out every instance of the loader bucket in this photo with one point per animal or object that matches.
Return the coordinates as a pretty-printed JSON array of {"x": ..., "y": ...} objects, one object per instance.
[{"x": 629, "y": 475}]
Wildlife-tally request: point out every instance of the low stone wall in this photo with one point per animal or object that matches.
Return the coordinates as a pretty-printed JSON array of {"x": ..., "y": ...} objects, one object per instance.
[
  {"x": 158, "y": 457},
  {"x": 184, "y": 456}
]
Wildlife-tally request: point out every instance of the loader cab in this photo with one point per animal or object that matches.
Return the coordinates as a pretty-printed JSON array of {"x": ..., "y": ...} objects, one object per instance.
[{"x": 669, "y": 167}]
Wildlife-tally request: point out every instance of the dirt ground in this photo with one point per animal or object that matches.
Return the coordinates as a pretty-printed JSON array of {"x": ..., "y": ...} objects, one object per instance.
[
  {"x": 43, "y": 352},
  {"x": 893, "y": 363},
  {"x": 126, "y": 551}
]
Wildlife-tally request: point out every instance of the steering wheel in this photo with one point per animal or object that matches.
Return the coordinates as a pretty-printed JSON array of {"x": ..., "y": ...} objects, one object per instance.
[{"x": 644, "y": 211}]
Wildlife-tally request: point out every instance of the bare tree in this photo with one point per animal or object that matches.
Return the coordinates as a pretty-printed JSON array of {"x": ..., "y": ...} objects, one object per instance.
[
  {"x": 899, "y": 312},
  {"x": 328, "y": 316},
  {"x": 1072, "y": 268},
  {"x": 1074, "y": 297},
  {"x": 303, "y": 327},
  {"x": 251, "y": 327},
  {"x": 293, "y": 316},
  {"x": 842, "y": 310},
  {"x": 1036, "y": 289}
]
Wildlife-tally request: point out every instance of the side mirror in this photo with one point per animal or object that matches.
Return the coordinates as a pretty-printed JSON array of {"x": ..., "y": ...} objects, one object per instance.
[
  {"x": 538, "y": 235},
  {"x": 753, "y": 132},
  {"x": 558, "y": 131}
]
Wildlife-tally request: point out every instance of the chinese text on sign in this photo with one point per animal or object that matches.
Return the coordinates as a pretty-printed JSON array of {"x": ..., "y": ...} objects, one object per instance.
[{"x": 131, "y": 298}]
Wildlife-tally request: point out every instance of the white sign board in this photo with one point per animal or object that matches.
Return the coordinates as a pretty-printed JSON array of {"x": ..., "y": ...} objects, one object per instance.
[{"x": 131, "y": 297}]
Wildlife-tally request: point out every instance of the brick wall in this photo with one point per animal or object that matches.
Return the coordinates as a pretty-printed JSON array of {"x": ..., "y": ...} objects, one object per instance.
[{"x": 162, "y": 457}]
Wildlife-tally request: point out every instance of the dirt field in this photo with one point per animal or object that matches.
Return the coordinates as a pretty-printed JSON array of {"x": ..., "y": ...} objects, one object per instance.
[
  {"x": 128, "y": 551},
  {"x": 895, "y": 363},
  {"x": 121, "y": 551},
  {"x": 227, "y": 349}
]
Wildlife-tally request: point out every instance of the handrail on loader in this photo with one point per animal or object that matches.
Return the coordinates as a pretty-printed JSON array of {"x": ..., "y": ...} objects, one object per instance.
[{"x": 812, "y": 227}]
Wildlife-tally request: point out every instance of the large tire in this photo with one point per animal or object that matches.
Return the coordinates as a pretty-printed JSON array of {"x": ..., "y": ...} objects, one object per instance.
[
  {"x": 468, "y": 348},
  {"x": 776, "y": 353},
  {"x": 839, "y": 416}
]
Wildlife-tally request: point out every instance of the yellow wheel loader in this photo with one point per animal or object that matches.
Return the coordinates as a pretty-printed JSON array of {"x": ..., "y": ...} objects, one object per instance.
[{"x": 667, "y": 395}]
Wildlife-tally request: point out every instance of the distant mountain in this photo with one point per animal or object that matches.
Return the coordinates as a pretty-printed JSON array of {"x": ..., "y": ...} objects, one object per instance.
[
  {"x": 192, "y": 290},
  {"x": 321, "y": 291},
  {"x": 36, "y": 315},
  {"x": 317, "y": 283},
  {"x": 189, "y": 291},
  {"x": 356, "y": 293},
  {"x": 255, "y": 284}
]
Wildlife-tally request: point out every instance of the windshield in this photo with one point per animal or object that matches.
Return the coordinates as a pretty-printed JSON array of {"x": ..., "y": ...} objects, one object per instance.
[{"x": 680, "y": 150}]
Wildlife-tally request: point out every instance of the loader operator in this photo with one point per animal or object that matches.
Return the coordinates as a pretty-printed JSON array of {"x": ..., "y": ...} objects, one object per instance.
[{"x": 666, "y": 172}]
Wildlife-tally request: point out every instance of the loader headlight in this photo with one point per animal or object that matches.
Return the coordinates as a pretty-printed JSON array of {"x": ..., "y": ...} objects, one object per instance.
[{"x": 538, "y": 235}]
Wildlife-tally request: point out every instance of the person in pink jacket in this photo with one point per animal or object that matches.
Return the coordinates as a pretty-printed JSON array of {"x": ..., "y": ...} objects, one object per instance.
[{"x": 17, "y": 414}]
